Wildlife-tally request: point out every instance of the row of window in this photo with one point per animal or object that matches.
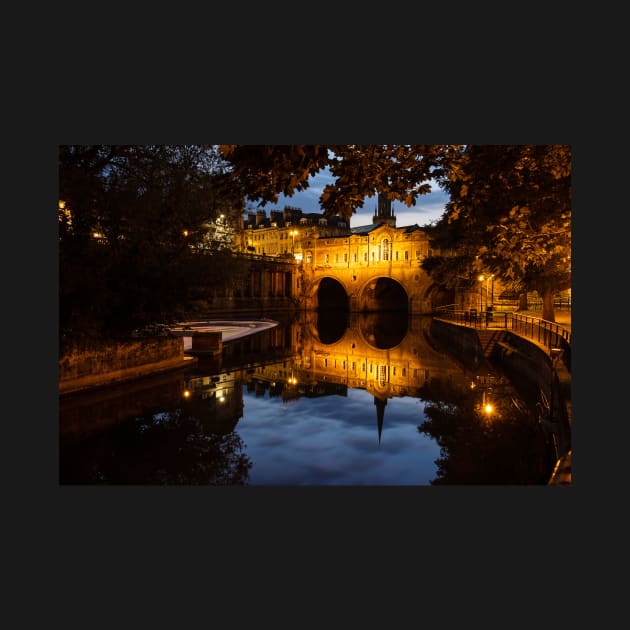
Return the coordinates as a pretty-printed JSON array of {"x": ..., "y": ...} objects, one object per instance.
[
  {"x": 384, "y": 257},
  {"x": 381, "y": 370}
]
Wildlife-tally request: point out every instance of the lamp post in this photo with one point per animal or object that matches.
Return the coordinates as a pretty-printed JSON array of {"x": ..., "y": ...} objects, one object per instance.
[
  {"x": 487, "y": 279},
  {"x": 293, "y": 234},
  {"x": 480, "y": 294}
]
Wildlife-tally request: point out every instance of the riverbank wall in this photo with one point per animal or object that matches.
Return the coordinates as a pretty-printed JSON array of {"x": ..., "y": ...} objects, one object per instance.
[
  {"x": 529, "y": 366},
  {"x": 115, "y": 362}
]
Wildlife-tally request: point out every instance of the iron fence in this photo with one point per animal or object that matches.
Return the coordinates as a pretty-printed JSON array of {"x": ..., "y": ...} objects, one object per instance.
[{"x": 544, "y": 332}]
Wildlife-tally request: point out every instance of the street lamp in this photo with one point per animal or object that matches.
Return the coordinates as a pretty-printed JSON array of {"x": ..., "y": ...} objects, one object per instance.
[{"x": 487, "y": 279}]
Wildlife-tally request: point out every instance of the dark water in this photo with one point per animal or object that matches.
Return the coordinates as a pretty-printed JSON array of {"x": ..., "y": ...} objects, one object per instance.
[{"x": 327, "y": 399}]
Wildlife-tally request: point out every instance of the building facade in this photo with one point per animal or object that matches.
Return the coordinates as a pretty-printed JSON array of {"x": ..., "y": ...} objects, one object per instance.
[{"x": 375, "y": 266}]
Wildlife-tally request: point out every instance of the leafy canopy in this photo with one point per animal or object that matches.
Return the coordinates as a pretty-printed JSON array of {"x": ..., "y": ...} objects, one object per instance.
[{"x": 402, "y": 171}]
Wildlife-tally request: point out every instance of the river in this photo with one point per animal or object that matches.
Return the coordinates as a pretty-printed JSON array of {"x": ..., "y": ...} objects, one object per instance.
[{"x": 323, "y": 399}]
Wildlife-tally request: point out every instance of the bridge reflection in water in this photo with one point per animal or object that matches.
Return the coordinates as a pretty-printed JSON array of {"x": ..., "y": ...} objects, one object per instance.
[{"x": 324, "y": 399}]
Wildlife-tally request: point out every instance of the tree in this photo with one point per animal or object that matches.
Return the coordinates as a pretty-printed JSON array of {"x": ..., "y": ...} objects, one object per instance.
[
  {"x": 129, "y": 220},
  {"x": 509, "y": 214},
  {"x": 360, "y": 171}
]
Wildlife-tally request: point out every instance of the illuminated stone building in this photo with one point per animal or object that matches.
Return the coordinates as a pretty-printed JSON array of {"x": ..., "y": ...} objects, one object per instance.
[{"x": 365, "y": 268}]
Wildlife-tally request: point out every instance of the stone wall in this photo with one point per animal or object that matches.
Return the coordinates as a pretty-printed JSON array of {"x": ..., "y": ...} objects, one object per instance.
[{"x": 120, "y": 361}]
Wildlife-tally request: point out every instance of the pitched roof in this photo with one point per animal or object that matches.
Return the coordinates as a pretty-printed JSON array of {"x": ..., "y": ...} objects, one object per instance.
[{"x": 365, "y": 229}]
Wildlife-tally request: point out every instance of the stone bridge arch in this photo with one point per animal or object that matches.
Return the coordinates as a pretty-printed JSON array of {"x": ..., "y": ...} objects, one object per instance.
[
  {"x": 370, "y": 289},
  {"x": 327, "y": 284}
]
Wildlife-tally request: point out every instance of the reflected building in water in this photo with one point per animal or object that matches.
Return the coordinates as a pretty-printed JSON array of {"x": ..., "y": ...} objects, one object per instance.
[{"x": 317, "y": 354}]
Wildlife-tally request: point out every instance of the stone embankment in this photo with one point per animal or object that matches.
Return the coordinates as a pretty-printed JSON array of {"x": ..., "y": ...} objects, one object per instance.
[{"x": 82, "y": 369}]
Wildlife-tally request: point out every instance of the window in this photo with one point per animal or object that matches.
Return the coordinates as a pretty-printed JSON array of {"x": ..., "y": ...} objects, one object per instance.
[
  {"x": 345, "y": 258},
  {"x": 417, "y": 254},
  {"x": 325, "y": 257},
  {"x": 364, "y": 256},
  {"x": 384, "y": 249},
  {"x": 406, "y": 255},
  {"x": 354, "y": 257},
  {"x": 382, "y": 374}
]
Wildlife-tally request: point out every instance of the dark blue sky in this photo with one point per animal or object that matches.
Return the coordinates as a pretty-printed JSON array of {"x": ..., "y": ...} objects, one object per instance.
[{"x": 428, "y": 208}]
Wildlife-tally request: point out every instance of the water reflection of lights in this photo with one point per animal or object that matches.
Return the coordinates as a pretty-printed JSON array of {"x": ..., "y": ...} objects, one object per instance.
[{"x": 486, "y": 404}]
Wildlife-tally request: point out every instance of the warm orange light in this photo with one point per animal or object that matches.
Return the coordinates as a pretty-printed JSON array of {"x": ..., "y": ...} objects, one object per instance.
[
  {"x": 186, "y": 393},
  {"x": 185, "y": 232},
  {"x": 488, "y": 408}
]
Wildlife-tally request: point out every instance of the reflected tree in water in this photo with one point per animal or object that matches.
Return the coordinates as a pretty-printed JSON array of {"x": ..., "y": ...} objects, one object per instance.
[
  {"x": 503, "y": 444},
  {"x": 160, "y": 449}
]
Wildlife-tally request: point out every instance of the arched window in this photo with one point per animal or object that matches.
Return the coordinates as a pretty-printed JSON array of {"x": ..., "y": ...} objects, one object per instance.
[
  {"x": 381, "y": 375},
  {"x": 386, "y": 249}
]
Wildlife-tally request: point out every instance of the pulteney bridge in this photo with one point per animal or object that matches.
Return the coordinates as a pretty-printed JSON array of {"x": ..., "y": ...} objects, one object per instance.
[{"x": 374, "y": 268}]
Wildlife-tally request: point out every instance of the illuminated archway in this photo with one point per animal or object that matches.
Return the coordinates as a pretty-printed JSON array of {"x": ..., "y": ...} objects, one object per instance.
[
  {"x": 384, "y": 294},
  {"x": 331, "y": 295}
]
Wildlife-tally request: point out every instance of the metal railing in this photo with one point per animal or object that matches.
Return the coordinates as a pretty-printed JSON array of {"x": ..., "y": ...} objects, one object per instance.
[{"x": 544, "y": 332}]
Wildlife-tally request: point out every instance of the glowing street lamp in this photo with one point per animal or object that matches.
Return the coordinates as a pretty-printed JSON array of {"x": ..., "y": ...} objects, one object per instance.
[{"x": 293, "y": 234}]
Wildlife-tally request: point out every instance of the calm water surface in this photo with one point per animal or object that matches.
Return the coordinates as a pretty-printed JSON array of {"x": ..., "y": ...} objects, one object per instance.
[{"x": 325, "y": 399}]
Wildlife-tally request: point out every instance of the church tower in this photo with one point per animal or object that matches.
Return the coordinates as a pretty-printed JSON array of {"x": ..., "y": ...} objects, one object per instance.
[{"x": 384, "y": 212}]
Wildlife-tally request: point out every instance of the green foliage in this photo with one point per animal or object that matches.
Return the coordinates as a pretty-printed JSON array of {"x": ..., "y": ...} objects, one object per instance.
[
  {"x": 510, "y": 207},
  {"x": 360, "y": 171},
  {"x": 132, "y": 217}
]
